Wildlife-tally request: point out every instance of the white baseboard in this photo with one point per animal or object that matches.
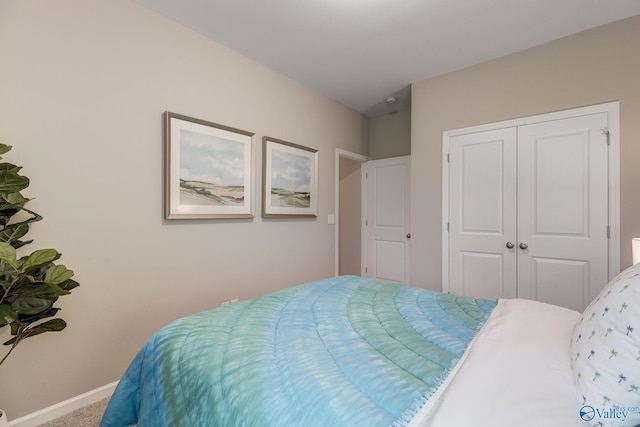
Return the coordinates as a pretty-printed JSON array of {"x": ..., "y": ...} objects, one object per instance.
[{"x": 59, "y": 409}]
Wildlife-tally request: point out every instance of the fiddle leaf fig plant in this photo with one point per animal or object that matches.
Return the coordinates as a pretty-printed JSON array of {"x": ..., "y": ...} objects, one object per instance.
[{"x": 31, "y": 284}]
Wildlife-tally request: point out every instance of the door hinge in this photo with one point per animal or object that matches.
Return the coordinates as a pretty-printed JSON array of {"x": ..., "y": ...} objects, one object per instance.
[
  {"x": 447, "y": 227},
  {"x": 608, "y": 231},
  {"x": 606, "y": 133},
  {"x": 448, "y": 157}
]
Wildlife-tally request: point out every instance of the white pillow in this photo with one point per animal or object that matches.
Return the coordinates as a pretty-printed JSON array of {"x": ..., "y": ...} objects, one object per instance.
[{"x": 605, "y": 352}]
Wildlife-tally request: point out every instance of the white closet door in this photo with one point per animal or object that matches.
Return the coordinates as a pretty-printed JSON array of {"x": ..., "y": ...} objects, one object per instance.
[
  {"x": 563, "y": 210},
  {"x": 482, "y": 219}
]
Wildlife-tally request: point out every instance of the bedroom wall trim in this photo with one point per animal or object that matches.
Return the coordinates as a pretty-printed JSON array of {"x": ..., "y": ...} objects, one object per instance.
[
  {"x": 63, "y": 408},
  {"x": 612, "y": 109},
  {"x": 340, "y": 153}
]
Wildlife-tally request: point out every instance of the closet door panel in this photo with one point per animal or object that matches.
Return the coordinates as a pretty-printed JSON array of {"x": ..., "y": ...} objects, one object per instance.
[
  {"x": 559, "y": 178},
  {"x": 482, "y": 216},
  {"x": 563, "y": 210},
  {"x": 560, "y": 281}
]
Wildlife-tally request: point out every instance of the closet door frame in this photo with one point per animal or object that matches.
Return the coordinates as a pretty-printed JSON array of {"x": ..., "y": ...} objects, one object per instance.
[{"x": 612, "y": 109}]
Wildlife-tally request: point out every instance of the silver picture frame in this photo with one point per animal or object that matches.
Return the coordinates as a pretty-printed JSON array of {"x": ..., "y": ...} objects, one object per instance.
[
  {"x": 209, "y": 169},
  {"x": 289, "y": 179}
]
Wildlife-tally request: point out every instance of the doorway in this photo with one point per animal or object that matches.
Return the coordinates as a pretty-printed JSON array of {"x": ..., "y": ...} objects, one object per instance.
[
  {"x": 348, "y": 211},
  {"x": 372, "y": 216}
]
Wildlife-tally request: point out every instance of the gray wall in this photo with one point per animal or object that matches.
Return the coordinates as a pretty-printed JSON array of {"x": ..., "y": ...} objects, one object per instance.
[
  {"x": 83, "y": 87},
  {"x": 391, "y": 135}
]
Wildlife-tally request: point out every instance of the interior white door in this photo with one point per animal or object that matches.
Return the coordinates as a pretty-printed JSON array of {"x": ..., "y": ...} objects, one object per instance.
[
  {"x": 563, "y": 210},
  {"x": 528, "y": 211},
  {"x": 482, "y": 220},
  {"x": 387, "y": 219}
]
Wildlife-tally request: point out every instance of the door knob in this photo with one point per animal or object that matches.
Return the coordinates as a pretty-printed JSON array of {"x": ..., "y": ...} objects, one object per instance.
[
  {"x": 510, "y": 245},
  {"x": 523, "y": 246},
  {"x": 408, "y": 235}
]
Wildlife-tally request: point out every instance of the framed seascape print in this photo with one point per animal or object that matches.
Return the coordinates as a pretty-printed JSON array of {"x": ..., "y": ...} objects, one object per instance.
[
  {"x": 289, "y": 179},
  {"x": 208, "y": 169}
]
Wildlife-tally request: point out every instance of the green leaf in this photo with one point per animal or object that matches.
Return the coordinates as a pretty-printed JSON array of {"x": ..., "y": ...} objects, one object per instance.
[
  {"x": 6, "y": 214},
  {"x": 16, "y": 326},
  {"x": 39, "y": 258},
  {"x": 33, "y": 298},
  {"x": 11, "y": 182},
  {"x": 5, "y": 166},
  {"x": 36, "y": 216},
  {"x": 59, "y": 291},
  {"x": 19, "y": 243},
  {"x": 8, "y": 254},
  {"x": 15, "y": 199},
  {"x": 53, "y": 325},
  {"x": 10, "y": 167},
  {"x": 4, "y": 148},
  {"x": 67, "y": 285},
  {"x": 13, "y": 232},
  {"x": 26, "y": 320},
  {"x": 7, "y": 314},
  {"x": 58, "y": 274}
]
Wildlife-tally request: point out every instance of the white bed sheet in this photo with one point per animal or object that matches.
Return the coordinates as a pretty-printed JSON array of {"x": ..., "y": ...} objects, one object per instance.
[{"x": 516, "y": 372}]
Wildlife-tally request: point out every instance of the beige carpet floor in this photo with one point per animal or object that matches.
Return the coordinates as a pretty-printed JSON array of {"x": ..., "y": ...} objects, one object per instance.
[{"x": 88, "y": 416}]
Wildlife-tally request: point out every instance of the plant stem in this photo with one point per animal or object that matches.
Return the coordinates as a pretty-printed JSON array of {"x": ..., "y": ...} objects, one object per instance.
[
  {"x": 6, "y": 291},
  {"x": 9, "y": 352}
]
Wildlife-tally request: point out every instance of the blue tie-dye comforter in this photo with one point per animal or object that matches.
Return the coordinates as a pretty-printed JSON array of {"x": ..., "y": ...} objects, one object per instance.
[{"x": 346, "y": 351}]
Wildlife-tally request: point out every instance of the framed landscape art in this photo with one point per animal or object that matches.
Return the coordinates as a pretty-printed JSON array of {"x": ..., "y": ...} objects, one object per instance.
[
  {"x": 289, "y": 179},
  {"x": 208, "y": 169}
]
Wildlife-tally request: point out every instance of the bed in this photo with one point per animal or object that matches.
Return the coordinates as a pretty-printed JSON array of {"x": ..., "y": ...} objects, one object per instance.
[{"x": 353, "y": 351}]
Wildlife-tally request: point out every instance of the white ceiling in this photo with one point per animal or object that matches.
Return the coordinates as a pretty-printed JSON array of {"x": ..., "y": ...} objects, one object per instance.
[{"x": 359, "y": 52}]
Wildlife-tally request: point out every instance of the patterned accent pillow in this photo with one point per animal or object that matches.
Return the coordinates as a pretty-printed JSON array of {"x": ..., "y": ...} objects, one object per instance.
[{"x": 606, "y": 352}]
